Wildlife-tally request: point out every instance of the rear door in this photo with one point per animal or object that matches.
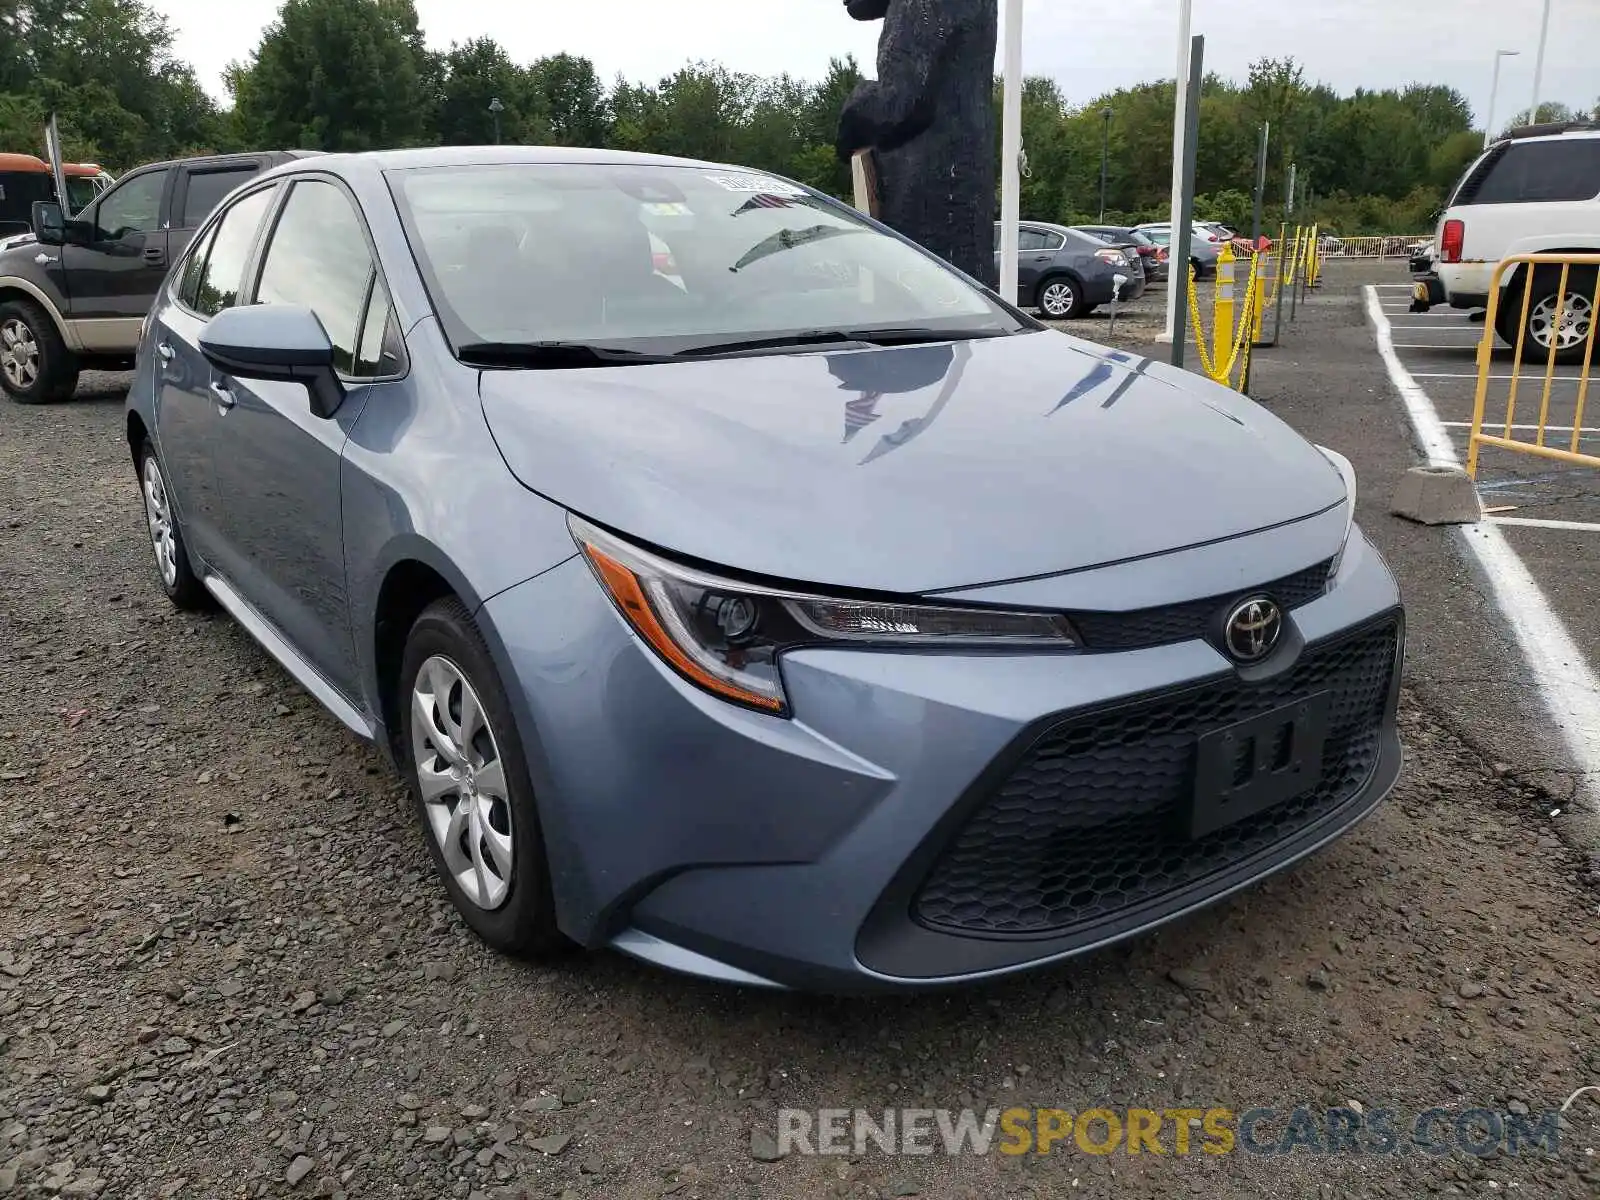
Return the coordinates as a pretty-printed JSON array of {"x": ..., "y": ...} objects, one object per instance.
[
  {"x": 278, "y": 465},
  {"x": 189, "y": 413},
  {"x": 200, "y": 188},
  {"x": 1036, "y": 253}
]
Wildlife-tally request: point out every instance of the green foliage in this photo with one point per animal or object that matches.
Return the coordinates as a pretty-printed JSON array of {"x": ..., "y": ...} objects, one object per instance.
[
  {"x": 106, "y": 68},
  {"x": 337, "y": 75}
]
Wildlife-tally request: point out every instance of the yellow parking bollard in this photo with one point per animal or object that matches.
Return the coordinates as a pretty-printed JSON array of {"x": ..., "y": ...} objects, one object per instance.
[
  {"x": 1262, "y": 262},
  {"x": 1222, "y": 324}
]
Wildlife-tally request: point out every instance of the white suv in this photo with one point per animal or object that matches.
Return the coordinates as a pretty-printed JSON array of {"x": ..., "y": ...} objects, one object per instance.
[{"x": 1536, "y": 191}]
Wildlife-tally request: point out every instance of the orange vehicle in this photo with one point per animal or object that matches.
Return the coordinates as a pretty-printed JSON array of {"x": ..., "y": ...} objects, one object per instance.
[{"x": 25, "y": 178}]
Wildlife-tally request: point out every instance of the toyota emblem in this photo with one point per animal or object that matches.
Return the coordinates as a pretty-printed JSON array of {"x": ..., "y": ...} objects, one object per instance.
[{"x": 1252, "y": 628}]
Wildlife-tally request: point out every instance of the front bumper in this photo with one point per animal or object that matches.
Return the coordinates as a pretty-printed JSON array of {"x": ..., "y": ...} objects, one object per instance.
[{"x": 809, "y": 852}]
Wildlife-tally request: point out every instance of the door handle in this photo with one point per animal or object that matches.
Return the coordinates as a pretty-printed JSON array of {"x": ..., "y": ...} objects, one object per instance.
[
  {"x": 1042, "y": 258},
  {"x": 223, "y": 395},
  {"x": 155, "y": 255}
]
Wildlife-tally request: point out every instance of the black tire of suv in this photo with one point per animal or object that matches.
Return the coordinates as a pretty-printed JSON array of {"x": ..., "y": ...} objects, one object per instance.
[
  {"x": 58, "y": 369},
  {"x": 1546, "y": 280}
]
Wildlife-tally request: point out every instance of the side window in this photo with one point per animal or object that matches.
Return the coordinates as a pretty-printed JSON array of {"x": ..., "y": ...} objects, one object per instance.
[
  {"x": 1054, "y": 241},
  {"x": 379, "y": 352},
  {"x": 206, "y": 190},
  {"x": 318, "y": 258},
  {"x": 1032, "y": 239},
  {"x": 1534, "y": 172},
  {"x": 229, "y": 252},
  {"x": 132, "y": 207},
  {"x": 193, "y": 268}
]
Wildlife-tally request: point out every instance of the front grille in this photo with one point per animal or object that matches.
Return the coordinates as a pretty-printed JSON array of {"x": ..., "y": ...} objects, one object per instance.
[
  {"x": 1090, "y": 823},
  {"x": 1191, "y": 619}
]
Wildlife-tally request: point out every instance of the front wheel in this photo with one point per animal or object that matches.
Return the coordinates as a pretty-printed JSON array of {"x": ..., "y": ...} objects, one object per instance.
[
  {"x": 35, "y": 364},
  {"x": 464, "y": 761},
  {"x": 1059, "y": 299}
]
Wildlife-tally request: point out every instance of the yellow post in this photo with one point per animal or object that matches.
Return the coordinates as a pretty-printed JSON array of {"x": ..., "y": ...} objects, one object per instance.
[
  {"x": 1311, "y": 258},
  {"x": 1222, "y": 325},
  {"x": 1259, "y": 308}
]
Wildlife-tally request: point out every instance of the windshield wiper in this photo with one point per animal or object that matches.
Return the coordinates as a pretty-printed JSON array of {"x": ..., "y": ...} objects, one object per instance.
[
  {"x": 788, "y": 239},
  {"x": 554, "y": 355},
  {"x": 909, "y": 335}
]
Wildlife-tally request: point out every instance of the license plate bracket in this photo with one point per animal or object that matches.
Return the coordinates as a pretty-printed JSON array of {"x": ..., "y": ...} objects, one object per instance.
[{"x": 1252, "y": 765}]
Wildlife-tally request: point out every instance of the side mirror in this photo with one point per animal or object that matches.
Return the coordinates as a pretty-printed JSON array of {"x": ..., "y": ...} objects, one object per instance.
[
  {"x": 49, "y": 223},
  {"x": 282, "y": 342}
]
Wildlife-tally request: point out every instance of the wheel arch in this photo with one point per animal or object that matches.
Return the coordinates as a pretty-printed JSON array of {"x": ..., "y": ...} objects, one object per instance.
[{"x": 13, "y": 287}]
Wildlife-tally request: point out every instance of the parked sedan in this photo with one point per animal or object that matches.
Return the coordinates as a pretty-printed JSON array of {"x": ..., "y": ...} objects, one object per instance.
[
  {"x": 1066, "y": 274},
  {"x": 1205, "y": 247},
  {"x": 810, "y": 618},
  {"x": 1153, "y": 257}
]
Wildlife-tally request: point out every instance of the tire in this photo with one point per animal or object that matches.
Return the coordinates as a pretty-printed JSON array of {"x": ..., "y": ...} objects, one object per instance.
[
  {"x": 35, "y": 365},
  {"x": 1576, "y": 312},
  {"x": 1061, "y": 298},
  {"x": 173, "y": 568},
  {"x": 480, "y": 822},
  {"x": 1201, "y": 271}
]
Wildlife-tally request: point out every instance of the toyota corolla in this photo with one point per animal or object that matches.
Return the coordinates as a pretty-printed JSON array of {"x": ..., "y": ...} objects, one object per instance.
[{"x": 799, "y": 614}]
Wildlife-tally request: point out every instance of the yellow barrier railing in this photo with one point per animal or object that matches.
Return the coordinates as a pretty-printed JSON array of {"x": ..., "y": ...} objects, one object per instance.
[{"x": 1555, "y": 309}]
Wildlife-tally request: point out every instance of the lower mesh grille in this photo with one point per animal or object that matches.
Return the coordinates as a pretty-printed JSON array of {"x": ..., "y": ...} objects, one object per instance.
[{"x": 1090, "y": 823}]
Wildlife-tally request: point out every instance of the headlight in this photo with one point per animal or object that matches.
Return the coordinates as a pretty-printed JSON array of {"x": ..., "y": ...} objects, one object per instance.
[
  {"x": 725, "y": 636},
  {"x": 1347, "y": 472}
]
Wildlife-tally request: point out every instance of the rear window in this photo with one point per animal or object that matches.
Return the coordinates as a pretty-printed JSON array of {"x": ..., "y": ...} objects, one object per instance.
[{"x": 1537, "y": 172}]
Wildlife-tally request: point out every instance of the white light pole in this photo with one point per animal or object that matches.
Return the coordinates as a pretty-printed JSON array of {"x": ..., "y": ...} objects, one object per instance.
[
  {"x": 1011, "y": 154},
  {"x": 1494, "y": 92},
  {"x": 1178, "y": 281},
  {"x": 1538, "y": 64}
]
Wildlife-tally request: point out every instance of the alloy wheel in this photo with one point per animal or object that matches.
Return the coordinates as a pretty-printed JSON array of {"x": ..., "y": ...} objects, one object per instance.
[
  {"x": 19, "y": 354},
  {"x": 158, "y": 513},
  {"x": 1057, "y": 299},
  {"x": 463, "y": 782},
  {"x": 1576, "y": 317}
]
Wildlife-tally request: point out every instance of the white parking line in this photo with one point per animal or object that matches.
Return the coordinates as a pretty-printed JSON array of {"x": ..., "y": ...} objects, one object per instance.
[
  {"x": 1428, "y": 345},
  {"x": 1501, "y": 378},
  {"x": 1543, "y": 523},
  {"x": 1569, "y": 688},
  {"x": 1501, "y": 425}
]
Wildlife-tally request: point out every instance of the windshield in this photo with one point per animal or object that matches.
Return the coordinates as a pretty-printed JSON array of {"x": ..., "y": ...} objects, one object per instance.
[
  {"x": 664, "y": 258},
  {"x": 81, "y": 190}
]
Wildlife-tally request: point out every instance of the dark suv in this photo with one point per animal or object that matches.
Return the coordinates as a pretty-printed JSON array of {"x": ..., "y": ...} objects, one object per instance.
[{"x": 76, "y": 297}]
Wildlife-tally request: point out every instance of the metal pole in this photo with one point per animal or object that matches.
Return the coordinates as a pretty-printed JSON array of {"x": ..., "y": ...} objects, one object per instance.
[
  {"x": 1538, "y": 64},
  {"x": 1011, "y": 154},
  {"x": 1183, "y": 219},
  {"x": 1283, "y": 253},
  {"x": 495, "y": 109},
  {"x": 1105, "y": 160},
  {"x": 1494, "y": 95},
  {"x": 1261, "y": 184},
  {"x": 1178, "y": 277}
]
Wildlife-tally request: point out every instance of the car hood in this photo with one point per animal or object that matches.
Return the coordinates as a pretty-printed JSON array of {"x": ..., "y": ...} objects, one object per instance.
[{"x": 908, "y": 469}]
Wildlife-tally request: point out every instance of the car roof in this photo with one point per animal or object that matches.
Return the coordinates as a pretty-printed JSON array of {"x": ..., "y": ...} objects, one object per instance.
[{"x": 474, "y": 156}]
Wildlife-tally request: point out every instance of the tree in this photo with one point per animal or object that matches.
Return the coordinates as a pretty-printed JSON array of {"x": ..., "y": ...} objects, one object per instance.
[
  {"x": 337, "y": 75},
  {"x": 569, "y": 99},
  {"x": 106, "y": 68},
  {"x": 476, "y": 74}
]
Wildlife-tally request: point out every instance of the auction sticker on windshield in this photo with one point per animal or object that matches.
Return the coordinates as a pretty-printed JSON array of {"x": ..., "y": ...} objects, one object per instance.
[{"x": 756, "y": 183}]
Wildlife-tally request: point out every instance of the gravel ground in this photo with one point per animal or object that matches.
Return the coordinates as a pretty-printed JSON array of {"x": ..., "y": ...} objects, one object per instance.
[{"x": 227, "y": 971}]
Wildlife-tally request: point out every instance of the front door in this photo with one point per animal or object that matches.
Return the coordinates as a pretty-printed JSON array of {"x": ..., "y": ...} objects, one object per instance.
[
  {"x": 111, "y": 279},
  {"x": 278, "y": 467},
  {"x": 189, "y": 415}
]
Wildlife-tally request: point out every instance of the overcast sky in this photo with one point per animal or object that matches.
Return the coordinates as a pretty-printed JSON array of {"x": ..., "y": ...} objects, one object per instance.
[{"x": 1345, "y": 43}]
